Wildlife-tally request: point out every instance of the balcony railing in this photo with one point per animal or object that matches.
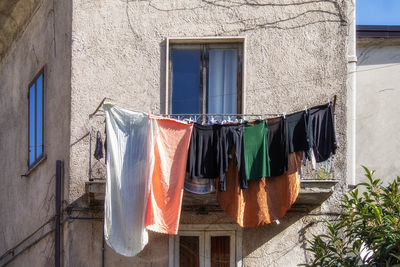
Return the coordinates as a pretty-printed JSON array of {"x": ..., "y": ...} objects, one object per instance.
[{"x": 97, "y": 167}]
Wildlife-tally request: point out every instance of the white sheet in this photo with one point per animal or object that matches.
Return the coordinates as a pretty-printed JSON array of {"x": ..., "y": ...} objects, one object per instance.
[{"x": 130, "y": 163}]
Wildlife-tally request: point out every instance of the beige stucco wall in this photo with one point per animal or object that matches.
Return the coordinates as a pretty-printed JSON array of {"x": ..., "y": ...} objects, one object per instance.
[
  {"x": 118, "y": 51},
  {"x": 296, "y": 57},
  {"x": 378, "y": 107},
  {"x": 28, "y": 202}
]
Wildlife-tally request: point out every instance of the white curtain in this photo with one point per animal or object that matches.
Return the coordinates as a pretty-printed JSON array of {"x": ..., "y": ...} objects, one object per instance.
[
  {"x": 222, "y": 81},
  {"x": 130, "y": 163}
]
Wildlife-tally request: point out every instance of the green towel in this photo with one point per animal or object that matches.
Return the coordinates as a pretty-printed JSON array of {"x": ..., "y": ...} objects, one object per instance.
[{"x": 256, "y": 150}]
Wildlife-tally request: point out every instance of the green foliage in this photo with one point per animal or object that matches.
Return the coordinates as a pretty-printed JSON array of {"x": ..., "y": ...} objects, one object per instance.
[
  {"x": 370, "y": 220},
  {"x": 322, "y": 174}
]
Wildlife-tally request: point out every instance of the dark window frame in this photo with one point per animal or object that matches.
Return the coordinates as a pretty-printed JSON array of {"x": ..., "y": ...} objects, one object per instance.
[
  {"x": 239, "y": 42},
  {"x": 37, "y": 158}
]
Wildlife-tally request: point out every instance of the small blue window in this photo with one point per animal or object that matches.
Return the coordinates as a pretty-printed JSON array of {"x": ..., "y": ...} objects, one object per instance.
[{"x": 36, "y": 116}]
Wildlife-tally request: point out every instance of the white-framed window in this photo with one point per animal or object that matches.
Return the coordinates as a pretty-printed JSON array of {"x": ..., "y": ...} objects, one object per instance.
[
  {"x": 205, "y": 75},
  {"x": 206, "y": 246}
]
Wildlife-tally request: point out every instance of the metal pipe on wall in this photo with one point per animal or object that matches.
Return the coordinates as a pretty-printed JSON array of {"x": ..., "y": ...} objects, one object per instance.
[{"x": 59, "y": 177}]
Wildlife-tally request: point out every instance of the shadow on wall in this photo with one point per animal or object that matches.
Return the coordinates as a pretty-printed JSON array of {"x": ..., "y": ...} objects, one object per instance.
[
  {"x": 384, "y": 52},
  {"x": 163, "y": 88},
  {"x": 14, "y": 14},
  {"x": 255, "y": 238}
]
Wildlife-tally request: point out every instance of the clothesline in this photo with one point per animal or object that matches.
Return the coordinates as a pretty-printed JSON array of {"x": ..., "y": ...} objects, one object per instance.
[
  {"x": 220, "y": 115},
  {"x": 242, "y": 114}
]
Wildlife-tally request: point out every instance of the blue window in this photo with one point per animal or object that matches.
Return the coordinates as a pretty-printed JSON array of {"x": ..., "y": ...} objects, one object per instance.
[
  {"x": 36, "y": 118},
  {"x": 205, "y": 78}
]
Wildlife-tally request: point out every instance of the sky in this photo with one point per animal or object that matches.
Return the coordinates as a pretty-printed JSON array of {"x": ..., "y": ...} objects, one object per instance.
[{"x": 378, "y": 12}]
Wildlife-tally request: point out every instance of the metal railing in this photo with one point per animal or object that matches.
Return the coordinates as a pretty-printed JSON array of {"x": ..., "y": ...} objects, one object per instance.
[{"x": 97, "y": 167}]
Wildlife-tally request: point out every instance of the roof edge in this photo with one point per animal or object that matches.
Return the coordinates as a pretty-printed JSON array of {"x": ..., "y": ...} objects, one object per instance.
[{"x": 378, "y": 31}]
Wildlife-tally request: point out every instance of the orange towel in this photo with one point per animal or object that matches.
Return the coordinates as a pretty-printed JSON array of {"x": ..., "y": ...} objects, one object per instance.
[
  {"x": 265, "y": 200},
  {"x": 171, "y": 144}
]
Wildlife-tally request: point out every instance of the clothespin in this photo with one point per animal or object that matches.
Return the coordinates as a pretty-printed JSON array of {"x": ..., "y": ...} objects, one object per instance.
[
  {"x": 305, "y": 108},
  {"x": 277, "y": 222},
  {"x": 212, "y": 119},
  {"x": 229, "y": 119},
  {"x": 179, "y": 118},
  {"x": 284, "y": 115}
]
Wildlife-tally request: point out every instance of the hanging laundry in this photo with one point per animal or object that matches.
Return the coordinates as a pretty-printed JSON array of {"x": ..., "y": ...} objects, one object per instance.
[
  {"x": 231, "y": 135},
  {"x": 130, "y": 161},
  {"x": 323, "y": 132},
  {"x": 199, "y": 185},
  {"x": 265, "y": 200},
  {"x": 298, "y": 133},
  {"x": 105, "y": 143},
  {"x": 278, "y": 145},
  {"x": 98, "y": 152},
  {"x": 256, "y": 150},
  {"x": 202, "y": 158},
  {"x": 171, "y": 144}
]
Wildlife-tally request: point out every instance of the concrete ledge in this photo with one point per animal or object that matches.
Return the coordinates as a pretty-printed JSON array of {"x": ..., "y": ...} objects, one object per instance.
[
  {"x": 95, "y": 191},
  {"x": 312, "y": 192}
]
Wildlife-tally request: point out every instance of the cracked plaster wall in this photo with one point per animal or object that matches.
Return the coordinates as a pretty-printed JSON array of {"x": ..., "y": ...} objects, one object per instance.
[{"x": 296, "y": 57}]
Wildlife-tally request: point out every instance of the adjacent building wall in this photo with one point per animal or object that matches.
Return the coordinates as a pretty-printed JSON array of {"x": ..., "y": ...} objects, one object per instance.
[
  {"x": 296, "y": 57},
  {"x": 378, "y": 107},
  {"x": 27, "y": 202}
]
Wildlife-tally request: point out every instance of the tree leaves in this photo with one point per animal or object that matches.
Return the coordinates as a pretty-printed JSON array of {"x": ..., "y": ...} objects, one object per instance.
[{"x": 370, "y": 221}]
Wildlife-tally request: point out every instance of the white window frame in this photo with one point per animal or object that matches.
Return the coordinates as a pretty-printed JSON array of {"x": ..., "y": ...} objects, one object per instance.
[
  {"x": 205, "y": 232},
  {"x": 203, "y": 40}
]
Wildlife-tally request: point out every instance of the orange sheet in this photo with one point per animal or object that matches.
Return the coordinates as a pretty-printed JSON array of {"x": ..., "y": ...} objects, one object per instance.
[
  {"x": 265, "y": 200},
  {"x": 171, "y": 144}
]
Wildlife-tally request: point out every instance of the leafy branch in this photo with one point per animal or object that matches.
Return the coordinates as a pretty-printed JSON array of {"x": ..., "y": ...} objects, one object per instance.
[{"x": 367, "y": 232}]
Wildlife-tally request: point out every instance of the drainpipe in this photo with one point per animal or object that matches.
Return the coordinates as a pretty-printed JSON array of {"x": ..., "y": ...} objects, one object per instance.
[
  {"x": 59, "y": 176},
  {"x": 351, "y": 95}
]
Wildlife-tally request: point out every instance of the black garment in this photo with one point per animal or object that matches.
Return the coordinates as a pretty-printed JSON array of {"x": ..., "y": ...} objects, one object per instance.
[
  {"x": 278, "y": 146},
  {"x": 231, "y": 135},
  {"x": 98, "y": 152},
  {"x": 298, "y": 131},
  {"x": 105, "y": 144},
  {"x": 203, "y": 152},
  {"x": 323, "y": 131}
]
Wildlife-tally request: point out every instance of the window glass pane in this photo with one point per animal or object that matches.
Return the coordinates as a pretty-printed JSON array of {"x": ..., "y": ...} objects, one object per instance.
[
  {"x": 39, "y": 116},
  {"x": 185, "y": 81},
  {"x": 220, "y": 251},
  {"x": 31, "y": 124},
  {"x": 189, "y": 251},
  {"x": 222, "y": 81}
]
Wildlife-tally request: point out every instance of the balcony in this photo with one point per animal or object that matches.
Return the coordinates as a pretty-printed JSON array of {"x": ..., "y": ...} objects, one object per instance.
[
  {"x": 317, "y": 183},
  {"x": 312, "y": 192}
]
